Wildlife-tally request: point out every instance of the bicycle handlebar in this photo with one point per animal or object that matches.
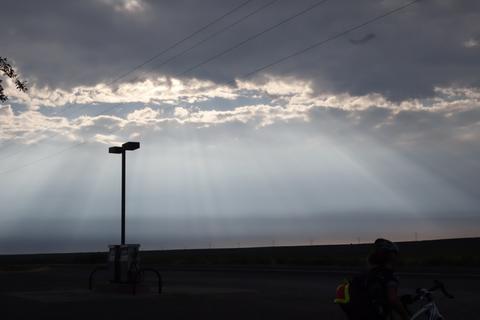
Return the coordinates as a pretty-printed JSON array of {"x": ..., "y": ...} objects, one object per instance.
[
  {"x": 440, "y": 286},
  {"x": 422, "y": 293}
]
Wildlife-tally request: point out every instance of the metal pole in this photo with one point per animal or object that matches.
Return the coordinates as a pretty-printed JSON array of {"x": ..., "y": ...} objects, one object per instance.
[{"x": 123, "y": 195}]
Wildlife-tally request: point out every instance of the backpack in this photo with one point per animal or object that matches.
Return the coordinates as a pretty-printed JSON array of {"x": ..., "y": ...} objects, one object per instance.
[{"x": 362, "y": 297}]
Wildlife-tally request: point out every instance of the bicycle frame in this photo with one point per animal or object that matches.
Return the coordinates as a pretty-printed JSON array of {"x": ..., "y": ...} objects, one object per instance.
[{"x": 428, "y": 311}]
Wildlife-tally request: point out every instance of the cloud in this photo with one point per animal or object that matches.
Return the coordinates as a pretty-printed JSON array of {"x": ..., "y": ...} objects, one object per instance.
[
  {"x": 281, "y": 100},
  {"x": 181, "y": 112},
  {"x": 143, "y": 116},
  {"x": 107, "y": 139},
  {"x": 6, "y": 113},
  {"x": 162, "y": 90},
  {"x": 127, "y": 6},
  {"x": 165, "y": 91},
  {"x": 471, "y": 43},
  {"x": 416, "y": 50}
]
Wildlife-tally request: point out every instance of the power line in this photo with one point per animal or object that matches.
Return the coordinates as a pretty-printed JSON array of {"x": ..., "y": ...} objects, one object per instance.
[
  {"x": 253, "y": 37},
  {"x": 28, "y": 164},
  {"x": 227, "y": 27},
  {"x": 331, "y": 38},
  {"x": 276, "y": 62},
  {"x": 268, "y": 4},
  {"x": 52, "y": 155},
  {"x": 21, "y": 150},
  {"x": 179, "y": 42},
  {"x": 157, "y": 55}
]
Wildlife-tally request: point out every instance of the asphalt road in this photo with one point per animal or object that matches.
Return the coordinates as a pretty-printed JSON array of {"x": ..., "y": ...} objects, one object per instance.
[{"x": 61, "y": 293}]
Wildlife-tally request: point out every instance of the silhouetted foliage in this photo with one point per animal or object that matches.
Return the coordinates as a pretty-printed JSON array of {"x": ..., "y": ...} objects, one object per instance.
[{"x": 8, "y": 71}]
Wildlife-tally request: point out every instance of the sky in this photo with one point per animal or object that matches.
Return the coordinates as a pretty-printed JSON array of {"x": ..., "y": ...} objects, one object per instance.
[{"x": 261, "y": 122}]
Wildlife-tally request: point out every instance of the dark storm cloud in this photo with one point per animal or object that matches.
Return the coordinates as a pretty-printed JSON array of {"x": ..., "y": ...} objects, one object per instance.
[{"x": 66, "y": 43}]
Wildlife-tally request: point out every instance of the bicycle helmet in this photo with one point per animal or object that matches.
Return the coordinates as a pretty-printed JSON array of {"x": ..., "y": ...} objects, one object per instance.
[{"x": 384, "y": 245}]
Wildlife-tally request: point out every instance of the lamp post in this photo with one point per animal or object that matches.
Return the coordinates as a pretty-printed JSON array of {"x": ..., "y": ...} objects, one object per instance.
[
  {"x": 123, "y": 259},
  {"x": 128, "y": 146}
]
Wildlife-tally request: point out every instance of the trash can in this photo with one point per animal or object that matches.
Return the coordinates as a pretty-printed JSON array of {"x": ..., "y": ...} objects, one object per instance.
[{"x": 123, "y": 262}]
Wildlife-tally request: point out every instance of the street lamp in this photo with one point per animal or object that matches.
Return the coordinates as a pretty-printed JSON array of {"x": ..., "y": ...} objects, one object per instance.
[
  {"x": 130, "y": 146},
  {"x": 123, "y": 260}
]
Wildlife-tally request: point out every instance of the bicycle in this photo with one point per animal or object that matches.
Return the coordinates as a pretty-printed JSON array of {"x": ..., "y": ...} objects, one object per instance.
[{"x": 429, "y": 309}]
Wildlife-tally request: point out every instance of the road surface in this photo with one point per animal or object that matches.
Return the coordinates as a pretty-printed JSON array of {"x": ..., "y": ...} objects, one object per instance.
[{"x": 60, "y": 292}]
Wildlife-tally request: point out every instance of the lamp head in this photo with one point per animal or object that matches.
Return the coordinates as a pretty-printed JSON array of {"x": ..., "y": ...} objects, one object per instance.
[
  {"x": 130, "y": 146},
  {"x": 115, "y": 150}
]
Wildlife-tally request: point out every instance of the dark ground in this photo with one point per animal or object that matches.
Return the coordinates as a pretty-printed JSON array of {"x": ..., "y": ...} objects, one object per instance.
[
  {"x": 60, "y": 292},
  {"x": 248, "y": 283}
]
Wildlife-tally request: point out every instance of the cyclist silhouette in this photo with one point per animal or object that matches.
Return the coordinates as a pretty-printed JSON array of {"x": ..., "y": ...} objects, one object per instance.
[
  {"x": 373, "y": 295},
  {"x": 383, "y": 287}
]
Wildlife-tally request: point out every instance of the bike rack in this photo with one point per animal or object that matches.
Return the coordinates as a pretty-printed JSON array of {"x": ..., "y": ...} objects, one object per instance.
[
  {"x": 90, "y": 278},
  {"x": 123, "y": 268},
  {"x": 141, "y": 272}
]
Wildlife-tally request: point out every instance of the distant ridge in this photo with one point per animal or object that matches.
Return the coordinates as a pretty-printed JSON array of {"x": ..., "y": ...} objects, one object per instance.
[{"x": 462, "y": 252}]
